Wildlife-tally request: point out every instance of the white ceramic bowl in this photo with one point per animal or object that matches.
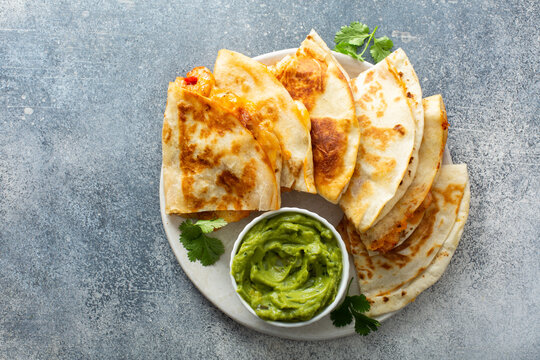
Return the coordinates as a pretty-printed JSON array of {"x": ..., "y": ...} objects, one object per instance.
[{"x": 344, "y": 260}]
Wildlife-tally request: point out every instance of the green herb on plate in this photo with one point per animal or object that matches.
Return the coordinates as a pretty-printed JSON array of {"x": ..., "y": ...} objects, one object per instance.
[
  {"x": 354, "y": 307},
  {"x": 200, "y": 247},
  {"x": 350, "y": 38}
]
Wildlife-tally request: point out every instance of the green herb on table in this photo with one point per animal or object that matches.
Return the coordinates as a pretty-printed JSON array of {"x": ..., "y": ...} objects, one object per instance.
[
  {"x": 350, "y": 38},
  {"x": 200, "y": 247},
  {"x": 354, "y": 307}
]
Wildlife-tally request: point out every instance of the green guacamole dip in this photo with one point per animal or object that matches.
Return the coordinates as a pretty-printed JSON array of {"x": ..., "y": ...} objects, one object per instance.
[{"x": 288, "y": 267}]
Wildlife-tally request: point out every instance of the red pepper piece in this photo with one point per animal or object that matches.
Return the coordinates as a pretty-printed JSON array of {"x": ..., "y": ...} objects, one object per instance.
[{"x": 191, "y": 80}]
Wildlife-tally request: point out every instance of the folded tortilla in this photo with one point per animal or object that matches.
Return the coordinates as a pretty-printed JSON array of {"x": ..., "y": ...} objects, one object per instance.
[
  {"x": 388, "y": 136},
  {"x": 399, "y": 298},
  {"x": 314, "y": 77},
  {"x": 414, "y": 96},
  {"x": 396, "y": 226},
  {"x": 253, "y": 81},
  {"x": 211, "y": 162},
  {"x": 392, "y": 280}
]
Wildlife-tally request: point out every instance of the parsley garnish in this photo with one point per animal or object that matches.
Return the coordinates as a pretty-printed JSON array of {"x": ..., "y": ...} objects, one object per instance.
[
  {"x": 353, "y": 307},
  {"x": 199, "y": 246},
  {"x": 349, "y": 38}
]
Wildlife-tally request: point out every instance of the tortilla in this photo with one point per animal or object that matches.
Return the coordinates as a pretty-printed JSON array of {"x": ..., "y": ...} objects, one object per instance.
[
  {"x": 262, "y": 129},
  {"x": 388, "y": 128},
  {"x": 200, "y": 80},
  {"x": 413, "y": 222},
  {"x": 398, "y": 299},
  {"x": 253, "y": 81},
  {"x": 211, "y": 162},
  {"x": 392, "y": 280},
  {"x": 414, "y": 97},
  {"x": 396, "y": 226},
  {"x": 314, "y": 77}
]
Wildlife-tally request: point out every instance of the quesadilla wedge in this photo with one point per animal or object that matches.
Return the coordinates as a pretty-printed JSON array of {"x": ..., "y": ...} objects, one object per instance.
[
  {"x": 396, "y": 226},
  {"x": 314, "y": 77},
  {"x": 385, "y": 278},
  {"x": 252, "y": 81},
  {"x": 211, "y": 162},
  {"x": 200, "y": 80},
  {"x": 414, "y": 96},
  {"x": 388, "y": 127},
  {"x": 399, "y": 298}
]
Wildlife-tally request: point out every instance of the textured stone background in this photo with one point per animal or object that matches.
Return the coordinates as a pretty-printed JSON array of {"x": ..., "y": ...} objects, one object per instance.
[{"x": 85, "y": 268}]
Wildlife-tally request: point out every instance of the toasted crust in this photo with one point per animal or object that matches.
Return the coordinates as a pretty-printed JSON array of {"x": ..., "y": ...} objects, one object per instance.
[
  {"x": 210, "y": 160},
  {"x": 385, "y": 279},
  {"x": 402, "y": 69},
  {"x": 253, "y": 81},
  {"x": 314, "y": 77},
  {"x": 388, "y": 134},
  {"x": 391, "y": 230}
]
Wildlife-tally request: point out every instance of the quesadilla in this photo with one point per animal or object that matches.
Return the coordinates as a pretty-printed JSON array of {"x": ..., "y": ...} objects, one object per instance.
[
  {"x": 412, "y": 222},
  {"x": 398, "y": 299},
  {"x": 391, "y": 280},
  {"x": 414, "y": 96},
  {"x": 211, "y": 161},
  {"x": 253, "y": 81},
  {"x": 396, "y": 226},
  {"x": 200, "y": 80},
  {"x": 389, "y": 129},
  {"x": 314, "y": 77}
]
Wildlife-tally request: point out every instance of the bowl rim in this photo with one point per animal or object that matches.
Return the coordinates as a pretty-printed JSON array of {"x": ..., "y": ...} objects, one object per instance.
[{"x": 342, "y": 288}]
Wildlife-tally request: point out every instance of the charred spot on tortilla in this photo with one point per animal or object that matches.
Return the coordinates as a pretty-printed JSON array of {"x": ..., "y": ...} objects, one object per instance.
[
  {"x": 167, "y": 132},
  {"x": 452, "y": 194},
  {"x": 380, "y": 137},
  {"x": 305, "y": 81},
  {"x": 400, "y": 129},
  {"x": 235, "y": 185},
  {"x": 328, "y": 146},
  {"x": 369, "y": 76}
]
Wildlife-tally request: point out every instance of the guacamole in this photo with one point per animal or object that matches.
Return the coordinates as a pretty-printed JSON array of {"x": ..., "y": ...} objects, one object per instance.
[{"x": 288, "y": 267}]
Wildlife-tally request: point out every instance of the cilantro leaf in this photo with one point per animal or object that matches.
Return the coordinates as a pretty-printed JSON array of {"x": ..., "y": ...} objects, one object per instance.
[
  {"x": 349, "y": 38},
  {"x": 360, "y": 303},
  {"x": 199, "y": 246},
  {"x": 354, "y": 34},
  {"x": 189, "y": 230},
  {"x": 354, "y": 306},
  {"x": 381, "y": 48},
  {"x": 207, "y": 226},
  {"x": 363, "y": 324},
  {"x": 205, "y": 249},
  {"x": 348, "y": 49},
  {"x": 342, "y": 316}
]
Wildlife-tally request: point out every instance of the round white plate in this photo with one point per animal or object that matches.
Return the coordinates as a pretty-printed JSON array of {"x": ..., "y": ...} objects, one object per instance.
[{"x": 214, "y": 281}]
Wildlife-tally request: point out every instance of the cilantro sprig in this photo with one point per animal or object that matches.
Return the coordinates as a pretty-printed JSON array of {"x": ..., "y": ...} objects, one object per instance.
[
  {"x": 200, "y": 247},
  {"x": 350, "y": 38},
  {"x": 354, "y": 307}
]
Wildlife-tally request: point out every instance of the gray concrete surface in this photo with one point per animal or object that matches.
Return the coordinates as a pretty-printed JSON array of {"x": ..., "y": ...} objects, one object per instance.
[{"x": 85, "y": 268}]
